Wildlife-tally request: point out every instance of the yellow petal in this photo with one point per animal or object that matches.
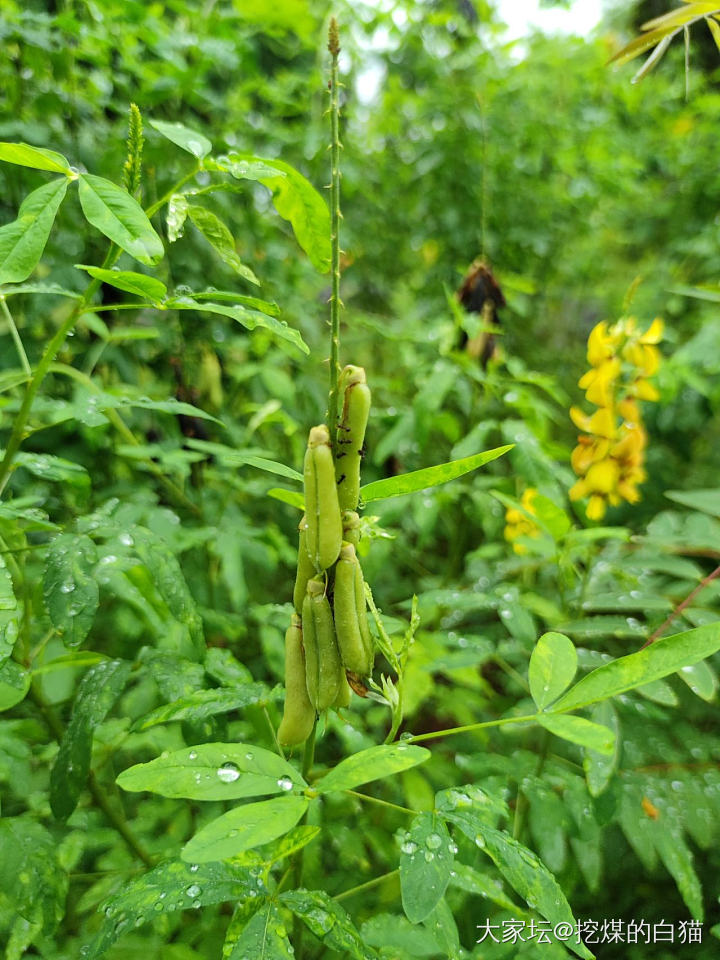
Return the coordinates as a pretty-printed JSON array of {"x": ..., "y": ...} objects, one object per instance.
[
  {"x": 600, "y": 345},
  {"x": 596, "y": 508},
  {"x": 578, "y": 490},
  {"x": 580, "y": 419},
  {"x": 602, "y": 423},
  {"x": 602, "y": 477},
  {"x": 645, "y": 391},
  {"x": 654, "y": 333}
]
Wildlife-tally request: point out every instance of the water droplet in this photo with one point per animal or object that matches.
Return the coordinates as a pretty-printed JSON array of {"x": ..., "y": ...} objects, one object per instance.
[
  {"x": 285, "y": 783},
  {"x": 193, "y": 890},
  {"x": 192, "y": 755},
  {"x": 67, "y": 587},
  {"x": 126, "y": 539},
  {"x": 433, "y": 841},
  {"x": 228, "y": 772},
  {"x": 409, "y": 846},
  {"x": 429, "y": 856},
  {"x": 194, "y": 867}
]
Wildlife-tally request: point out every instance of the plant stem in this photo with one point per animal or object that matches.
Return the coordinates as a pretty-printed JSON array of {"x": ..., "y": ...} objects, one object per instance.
[
  {"x": 298, "y": 925},
  {"x": 16, "y": 337},
  {"x": 469, "y": 728},
  {"x": 382, "y": 803},
  {"x": 376, "y": 881},
  {"x": 681, "y": 606},
  {"x": 334, "y": 48}
]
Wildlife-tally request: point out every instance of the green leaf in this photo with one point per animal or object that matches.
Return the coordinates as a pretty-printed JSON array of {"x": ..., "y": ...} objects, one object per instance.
[
  {"x": 168, "y": 887},
  {"x": 659, "y": 692},
  {"x": 22, "y": 242},
  {"x": 271, "y": 466},
  {"x": 229, "y": 296},
  {"x": 464, "y": 805},
  {"x": 371, "y": 764},
  {"x": 219, "y": 236},
  {"x": 214, "y": 771},
  {"x": 392, "y": 931},
  {"x": 482, "y": 885},
  {"x": 250, "y": 319},
  {"x": 701, "y": 679},
  {"x": 32, "y": 884},
  {"x": 600, "y": 767},
  {"x": 107, "y": 401},
  {"x": 98, "y": 691},
  {"x": 677, "y": 857},
  {"x": 443, "y": 926},
  {"x": 120, "y": 217},
  {"x": 208, "y": 703},
  {"x": 9, "y": 623},
  {"x": 294, "y": 197},
  {"x": 14, "y": 684},
  {"x": 244, "y": 828},
  {"x": 195, "y": 143},
  {"x": 553, "y": 664},
  {"x": 291, "y": 497},
  {"x": 426, "y": 859},
  {"x": 129, "y": 281},
  {"x": 714, "y": 28},
  {"x": 582, "y": 731},
  {"x": 45, "y": 466},
  {"x": 665, "y": 656},
  {"x": 706, "y": 501},
  {"x": 524, "y": 871},
  {"x": 69, "y": 587},
  {"x": 429, "y": 477},
  {"x": 264, "y": 937},
  {"x": 49, "y": 289},
  {"x": 327, "y": 920},
  {"x": 38, "y": 158}
]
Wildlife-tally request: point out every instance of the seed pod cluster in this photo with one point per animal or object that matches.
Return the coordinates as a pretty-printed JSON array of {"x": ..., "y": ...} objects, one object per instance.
[{"x": 329, "y": 640}]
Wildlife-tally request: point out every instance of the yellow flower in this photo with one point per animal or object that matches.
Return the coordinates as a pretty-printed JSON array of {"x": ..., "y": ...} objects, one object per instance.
[{"x": 518, "y": 524}]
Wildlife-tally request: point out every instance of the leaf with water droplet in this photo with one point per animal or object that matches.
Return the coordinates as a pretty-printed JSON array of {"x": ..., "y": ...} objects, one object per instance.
[
  {"x": 245, "y": 827},
  {"x": 328, "y": 921},
  {"x": 201, "y": 704},
  {"x": 192, "y": 141},
  {"x": 553, "y": 664},
  {"x": 213, "y": 771},
  {"x": 211, "y": 883},
  {"x": 372, "y": 764},
  {"x": 98, "y": 691},
  {"x": 8, "y": 612},
  {"x": 70, "y": 589},
  {"x": 424, "y": 879},
  {"x": 262, "y": 937}
]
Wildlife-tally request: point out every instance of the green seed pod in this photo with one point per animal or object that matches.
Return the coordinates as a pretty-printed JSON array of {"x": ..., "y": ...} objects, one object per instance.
[
  {"x": 361, "y": 606},
  {"x": 322, "y": 659},
  {"x": 305, "y": 568},
  {"x": 354, "y": 651},
  {"x": 351, "y": 527},
  {"x": 323, "y": 531},
  {"x": 299, "y": 713},
  {"x": 344, "y": 696},
  {"x": 351, "y": 435}
]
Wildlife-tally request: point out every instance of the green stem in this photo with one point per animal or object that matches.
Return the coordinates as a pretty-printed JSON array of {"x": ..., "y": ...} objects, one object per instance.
[
  {"x": 362, "y": 887},
  {"x": 382, "y": 803},
  {"x": 469, "y": 728},
  {"x": 334, "y": 48},
  {"x": 152, "y": 210},
  {"x": 16, "y": 337},
  {"x": 298, "y": 925}
]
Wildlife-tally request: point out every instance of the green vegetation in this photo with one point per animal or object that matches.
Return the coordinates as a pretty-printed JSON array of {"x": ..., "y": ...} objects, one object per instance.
[{"x": 474, "y": 687}]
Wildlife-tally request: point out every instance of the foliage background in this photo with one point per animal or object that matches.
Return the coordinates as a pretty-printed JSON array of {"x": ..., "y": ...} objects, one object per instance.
[{"x": 574, "y": 183}]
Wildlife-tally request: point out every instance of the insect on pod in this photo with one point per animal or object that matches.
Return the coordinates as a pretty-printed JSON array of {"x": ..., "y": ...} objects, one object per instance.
[
  {"x": 323, "y": 524},
  {"x": 299, "y": 713},
  {"x": 351, "y": 527},
  {"x": 351, "y": 435},
  {"x": 305, "y": 568},
  {"x": 353, "y": 633},
  {"x": 323, "y": 670}
]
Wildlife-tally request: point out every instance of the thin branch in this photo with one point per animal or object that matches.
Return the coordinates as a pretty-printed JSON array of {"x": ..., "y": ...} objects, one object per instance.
[{"x": 681, "y": 606}]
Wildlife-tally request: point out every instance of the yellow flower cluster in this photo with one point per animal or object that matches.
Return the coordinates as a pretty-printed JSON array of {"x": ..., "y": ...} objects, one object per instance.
[
  {"x": 610, "y": 455},
  {"x": 518, "y": 524}
]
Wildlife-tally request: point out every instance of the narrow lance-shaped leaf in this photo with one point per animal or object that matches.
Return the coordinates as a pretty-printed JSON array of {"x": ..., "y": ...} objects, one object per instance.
[
  {"x": 214, "y": 771},
  {"x": 663, "y": 657},
  {"x": 120, "y": 217},
  {"x": 129, "y": 281},
  {"x": 426, "y": 859},
  {"x": 201, "y": 704},
  {"x": 244, "y": 828},
  {"x": 69, "y": 586},
  {"x": 250, "y": 319},
  {"x": 8, "y": 612},
  {"x": 294, "y": 197},
  {"x": 553, "y": 664},
  {"x": 219, "y": 236},
  {"x": 263, "y": 937},
  {"x": 581, "y": 731},
  {"x": 39, "y": 158},
  {"x": 22, "y": 242},
  {"x": 371, "y": 764},
  {"x": 328, "y": 921},
  {"x": 599, "y": 767},
  {"x": 168, "y": 887},
  {"x": 428, "y": 477},
  {"x": 98, "y": 691},
  {"x": 190, "y": 140}
]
